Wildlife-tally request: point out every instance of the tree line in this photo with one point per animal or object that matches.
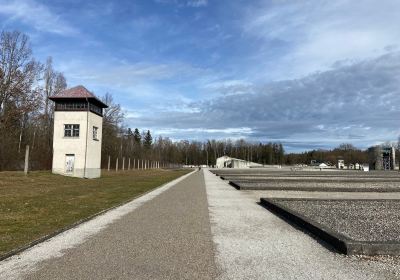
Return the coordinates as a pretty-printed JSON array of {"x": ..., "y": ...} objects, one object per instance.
[
  {"x": 26, "y": 118},
  {"x": 26, "y": 114},
  {"x": 120, "y": 142},
  {"x": 130, "y": 143},
  {"x": 347, "y": 152}
]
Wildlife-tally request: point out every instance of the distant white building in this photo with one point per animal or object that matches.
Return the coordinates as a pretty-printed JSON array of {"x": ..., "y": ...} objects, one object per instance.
[
  {"x": 229, "y": 162},
  {"x": 340, "y": 164},
  {"x": 78, "y": 122},
  {"x": 364, "y": 167},
  {"x": 323, "y": 166}
]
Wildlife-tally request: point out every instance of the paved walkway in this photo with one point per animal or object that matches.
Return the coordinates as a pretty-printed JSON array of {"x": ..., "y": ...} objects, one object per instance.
[{"x": 167, "y": 234}]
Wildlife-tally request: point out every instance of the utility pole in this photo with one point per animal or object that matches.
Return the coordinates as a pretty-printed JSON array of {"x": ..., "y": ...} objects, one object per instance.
[{"x": 26, "y": 160}]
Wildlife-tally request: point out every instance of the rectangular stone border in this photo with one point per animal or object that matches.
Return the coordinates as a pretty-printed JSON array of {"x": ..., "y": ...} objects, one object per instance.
[
  {"x": 311, "y": 179},
  {"x": 310, "y": 189},
  {"x": 340, "y": 242}
]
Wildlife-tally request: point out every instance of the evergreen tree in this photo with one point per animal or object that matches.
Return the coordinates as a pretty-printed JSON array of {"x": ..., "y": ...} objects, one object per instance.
[
  {"x": 137, "y": 137},
  {"x": 281, "y": 153},
  {"x": 129, "y": 133},
  {"x": 148, "y": 140}
]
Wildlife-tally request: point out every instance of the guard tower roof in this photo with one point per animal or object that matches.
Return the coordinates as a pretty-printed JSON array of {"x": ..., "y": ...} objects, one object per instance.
[{"x": 78, "y": 92}]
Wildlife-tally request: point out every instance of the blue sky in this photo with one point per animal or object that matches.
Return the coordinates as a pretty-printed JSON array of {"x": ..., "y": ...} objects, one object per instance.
[{"x": 311, "y": 74}]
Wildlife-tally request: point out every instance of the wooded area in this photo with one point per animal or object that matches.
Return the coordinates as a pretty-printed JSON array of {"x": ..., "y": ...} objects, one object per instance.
[
  {"x": 25, "y": 111},
  {"x": 26, "y": 118}
]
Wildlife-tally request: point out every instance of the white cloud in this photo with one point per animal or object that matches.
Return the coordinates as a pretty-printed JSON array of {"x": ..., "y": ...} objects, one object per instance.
[
  {"x": 197, "y": 3},
  {"x": 230, "y": 87},
  {"x": 356, "y": 103},
  {"x": 122, "y": 74},
  {"x": 185, "y": 3},
  {"x": 315, "y": 34},
  {"x": 37, "y": 15}
]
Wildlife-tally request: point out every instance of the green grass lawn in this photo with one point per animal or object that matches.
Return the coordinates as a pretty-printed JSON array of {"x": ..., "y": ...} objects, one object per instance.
[{"x": 40, "y": 203}]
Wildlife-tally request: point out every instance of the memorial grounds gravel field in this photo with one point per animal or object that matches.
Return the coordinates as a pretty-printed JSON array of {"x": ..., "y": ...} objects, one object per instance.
[
  {"x": 359, "y": 220},
  {"x": 352, "y": 181},
  {"x": 373, "y": 219}
]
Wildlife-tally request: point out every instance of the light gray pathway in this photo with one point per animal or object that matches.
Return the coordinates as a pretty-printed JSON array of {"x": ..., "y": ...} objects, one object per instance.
[
  {"x": 253, "y": 243},
  {"x": 164, "y": 236}
]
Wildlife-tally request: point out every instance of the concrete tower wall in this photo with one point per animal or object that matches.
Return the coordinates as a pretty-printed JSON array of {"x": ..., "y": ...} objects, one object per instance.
[
  {"x": 93, "y": 161},
  {"x": 86, "y": 150}
]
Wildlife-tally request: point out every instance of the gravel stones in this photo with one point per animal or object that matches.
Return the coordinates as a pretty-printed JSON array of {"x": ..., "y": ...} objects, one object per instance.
[
  {"x": 330, "y": 181},
  {"x": 362, "y": 220},
  {"x": 352, "y": 225}
]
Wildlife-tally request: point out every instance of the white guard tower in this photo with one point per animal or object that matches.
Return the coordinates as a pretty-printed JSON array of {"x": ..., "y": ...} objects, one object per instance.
[{"x": 78, "y": 121}]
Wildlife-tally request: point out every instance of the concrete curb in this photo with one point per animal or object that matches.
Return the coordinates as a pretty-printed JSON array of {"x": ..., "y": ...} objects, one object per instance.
[
  {"x": 73, "y": 225},
  {"x": 238, "y": 186},
  {"x": 326, "y": 180},
  {"x": 340, "y": 242}
]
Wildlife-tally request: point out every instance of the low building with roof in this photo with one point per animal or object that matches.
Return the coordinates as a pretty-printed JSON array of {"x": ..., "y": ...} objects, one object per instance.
[{"x": 230, "y": 162}]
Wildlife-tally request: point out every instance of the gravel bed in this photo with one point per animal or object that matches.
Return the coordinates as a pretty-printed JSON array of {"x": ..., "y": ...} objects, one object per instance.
[
  {"x": 250, "y": 172},
  {"x": 359, "y": 220},
  {"x": 268, "y": 176},
  {"x": 253, "y": 243}
]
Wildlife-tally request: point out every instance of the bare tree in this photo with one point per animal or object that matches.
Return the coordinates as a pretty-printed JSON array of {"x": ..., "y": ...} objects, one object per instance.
[
  {"x": 18, "y": 72},
  {"x": 113, "y": 114},
  {"x": 19, "y": 94}
]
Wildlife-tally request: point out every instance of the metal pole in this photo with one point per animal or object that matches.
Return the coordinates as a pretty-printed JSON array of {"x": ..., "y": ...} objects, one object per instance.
[
  {"x": 116, "y": 165},
  {"x": 207, "y": 155},
  {"x": 109, "y": 162},
  {"x": 123, "y": 164}
]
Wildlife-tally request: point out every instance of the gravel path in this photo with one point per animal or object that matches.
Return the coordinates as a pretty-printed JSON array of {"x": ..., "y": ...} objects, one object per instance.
[
  {"x": 253, "y": 243},
  {"x": 167, "y": 236}
]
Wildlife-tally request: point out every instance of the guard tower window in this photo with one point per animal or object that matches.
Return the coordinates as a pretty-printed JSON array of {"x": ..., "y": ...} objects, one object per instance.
[
  {"x": 71, "y": 130},
  {"x": 95, "y": 129}
]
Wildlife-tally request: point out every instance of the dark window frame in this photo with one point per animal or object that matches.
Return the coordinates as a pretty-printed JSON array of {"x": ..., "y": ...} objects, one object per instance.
[
  {"x": 95, "y": 133},
  {"x": 71, "y": 130},
  {"x": 81, "y": 105}
]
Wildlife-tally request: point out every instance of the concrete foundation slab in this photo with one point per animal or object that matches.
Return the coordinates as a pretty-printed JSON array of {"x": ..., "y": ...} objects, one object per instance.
[
  {"x": 316, "y": 186},
  {"x": 353, "y": 226}
]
